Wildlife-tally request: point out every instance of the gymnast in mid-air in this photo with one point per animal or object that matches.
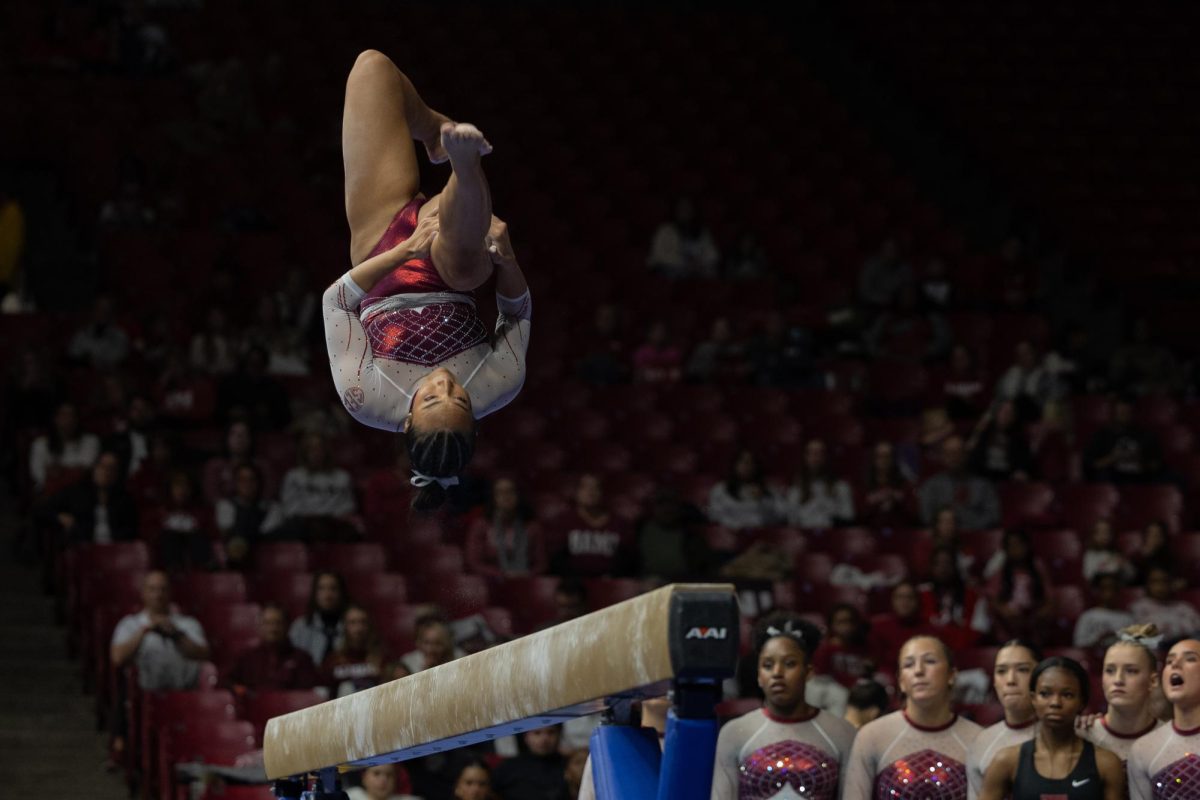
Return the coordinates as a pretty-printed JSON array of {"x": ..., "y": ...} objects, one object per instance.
[{"x": 407, "y": 349}]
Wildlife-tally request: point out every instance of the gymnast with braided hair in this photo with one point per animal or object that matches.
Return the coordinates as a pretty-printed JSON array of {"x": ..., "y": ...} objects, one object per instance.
[{"x": 407, "y": 349}]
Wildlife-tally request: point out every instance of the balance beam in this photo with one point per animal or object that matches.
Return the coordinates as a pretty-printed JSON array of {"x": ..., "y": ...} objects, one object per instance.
[{"x": 632, "y": 649}]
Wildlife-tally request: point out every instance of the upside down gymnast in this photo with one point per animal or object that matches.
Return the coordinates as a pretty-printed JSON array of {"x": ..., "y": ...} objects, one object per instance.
[{"x": 407, "y": 349}]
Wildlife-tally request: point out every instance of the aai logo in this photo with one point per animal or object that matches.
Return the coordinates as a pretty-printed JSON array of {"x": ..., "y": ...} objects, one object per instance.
[{"x": 706, "y": 633}]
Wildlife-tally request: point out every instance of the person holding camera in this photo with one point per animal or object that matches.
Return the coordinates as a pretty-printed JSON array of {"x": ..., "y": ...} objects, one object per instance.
[{"x": 166, "y": 646}]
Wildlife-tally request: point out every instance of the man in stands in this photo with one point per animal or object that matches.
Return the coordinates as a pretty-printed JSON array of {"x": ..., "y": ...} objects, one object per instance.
[
  {"x": 973, "y": 499},
  {"x": 590, "y": 541},
  {"x": 167, "y": 647},
  {"x": 274, "y": 664}
]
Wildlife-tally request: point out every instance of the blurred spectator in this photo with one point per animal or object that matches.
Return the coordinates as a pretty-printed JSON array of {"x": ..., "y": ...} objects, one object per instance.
[
  {"x": 1123, "y": 452},
  {"x": 944, "y": 533},
  {"x": 889, "y": 631},
  {"x": 963, "y": 392},
  {"x": 247, "y": 517},
  {"x": 883, "y": 275},
  {"x": 936, "y": 290},
  {"x": 817, "y": 498},
  {"x": 957, "y": 613},
  {"x": 101, "y": 344},
  {"x": 12, "y": 241},
  {"x": 474, "y": 782},
  {"x": 845, "y": 654},
  {"x": 887, "y": 497},
  {"x": 657, "y": 360},
  {"x": 867, "y": 702},
  {"x": 319, "y": 632},
  {"x": 183, "y": 395},
  {"x": 1026, "y": 383},
  {"x": 1101, "y": 556},
  {"x": 129, "y": 209},
  {"x": 538, "y": 773},
  {"x": 286, "y": 354},
  {"x": 683, "y": 247},
  {"x": 435, "y": 645},
  {"x": 185, "y": 529},
  {"x": 1159, "y": 607},
  {"x": 589, "y": 540},
  {"x": 1020, "y": 604},
  {"x": 1073, "y": 365},
  {"x": 1097, "y": 626},
  {"x": 1154, "y": 552},
  {"x": 782, "y": 356},
  {"x": 64, "y": 451},
  {"x": 384, "y": 782},
  {"x": 670, "y": 545},
  {"x": 253, "y": 396},
  {"x": 1141, "y": 366},
  {"x": 166, "y": 647},
  {"x": 358, "y": 662},
  {"x": 296, "y": 305},
  {"x": 149, "y": 484},
  {"x": 749, "y": 259},
  {"x": 387, "y": 497},
  {"x": 908, "y": 333},
  {"x": 506, "y": 541},
  {"x": 274, "y": 664},
  {"x": 31, "y": 391},
  {"x": 317, "y": 496},
  {"x": 974, "y": 500},
  {"x": 744, "y": 500},
  {"x": 605, "y": 361},
  {"x": 220, "y": 471},
  {"x": 130, "y": 435},
  {"x": 97, "y": 508},
  {"x": 214, "y": 349},
  {"x": 570, "y": 601},
  {"x": 999, "y": 450},
  {"x": 936, "y": 429},
  {"x": 718, "y": 358},
  {"x": 576, "y": 771}
]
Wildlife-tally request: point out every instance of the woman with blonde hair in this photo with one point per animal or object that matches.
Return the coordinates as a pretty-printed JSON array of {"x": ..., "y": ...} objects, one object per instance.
[{"x": 1130, "y": 682}]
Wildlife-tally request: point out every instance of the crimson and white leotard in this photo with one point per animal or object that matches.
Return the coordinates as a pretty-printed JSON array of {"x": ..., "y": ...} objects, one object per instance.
[
  {"x": 895, "y": 759},
  {"x": 1106, "y": 738},
  {"x": 987, "y": 744},
  {"x": 762, "y": 757},
  {"x": 1165, "y": 765}
]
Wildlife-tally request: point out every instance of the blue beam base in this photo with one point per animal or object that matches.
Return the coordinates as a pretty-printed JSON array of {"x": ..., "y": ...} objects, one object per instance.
[
  {"x": 625, "y": 763},
  {"x": 689, "y": 750}
]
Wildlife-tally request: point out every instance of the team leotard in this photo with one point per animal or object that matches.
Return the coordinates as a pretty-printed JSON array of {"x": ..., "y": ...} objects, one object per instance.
[
  {"x": 896, "y": 759},
  {"x": 1105, "y": 738},
  {"x": 1165, "y": 765},
  {"x": 987, "y": 744}
]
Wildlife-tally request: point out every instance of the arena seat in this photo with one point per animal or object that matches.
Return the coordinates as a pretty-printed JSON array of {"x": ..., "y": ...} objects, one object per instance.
[
  {"x": 380, "y": 588},
  {"x": 220, "y": 743},
  {"x": 280, "y": 557},
  {"x": 1185, "y": 548},
  {"x": 1069, "y": 602},
  {"x": 1084, "y": 504},
  {"x": 289, "y": 590},
  {"x": 1141, "y": 505},
  {"x": 350, "y": 559},
  {"x": 261, "y": 706},
  {"x": 1025, "y": 504},
  {"x": 459, "y": 595},
  {"x": 166, "y": 713},
  {"x": 428, "y": 560},
  {"x": 197, "y": 590},
  {"x": 849, "y": 544},
  {"x": 227, "y": 625},
  {"x": 531, "y": 599},
  {"x": 983, "y": 658},
  {"x": 602, "y": 592}
]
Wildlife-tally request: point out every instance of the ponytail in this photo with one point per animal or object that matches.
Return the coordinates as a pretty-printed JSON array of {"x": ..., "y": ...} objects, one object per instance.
[{"x": 437, "y": 458}]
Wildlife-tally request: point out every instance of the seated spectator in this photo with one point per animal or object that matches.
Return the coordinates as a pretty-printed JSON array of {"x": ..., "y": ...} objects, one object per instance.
[
  {"x": 998, "y": 446},
  {"x": 1123, "y": 452},
  {"x": 670, "y": 544},
  {"x": 474, "y": 782},
  {"x": 166, "y": 647},
  {"x": 32, "y": 390},
  {"x": 286, "y": 353},
  {"x": 183, "y": 396},
  {"x": 570, "y": 601},
  {"x": 605, "y": 361},
  {"x": 867, "y": 702},
  {"x": 883, "y": 275},
  {"x": 782, "y": 355},
  {"x": 273, "y": 664},
  {"x": 387, "y": 498},
  {"x": 889, "y": 631},
  {"x": 435, "y": 646},
  {"x": 657, "y": 360},
  {"x": 65, "y": 451},
  {"x": 184, "y": 529},
  {"x": 358, "y": 662},
  {"x": 589, "y": 539},
  {"x": 296, "y": 305},
  {"x": 1020, "y": 604},
  {"x": 748, "y": 261},
  {"x": 150, "y": 484},
  {"x": 845, "y": 654},
  {"x": 683, "y": 247},
  {"x": 214, "y": 349},
  {"x": 907, "y": 333},
  {"x": 719, "y": 357},
  {"x": 1141, "y": 366},
  {"x": 506, "y": 541},
  {"x": 963, "y": 392},
  {"x": 101, "y": 344},
  {"x": 886, "y": 500},
  {"x": 957, "y": 613},
  {"x": 219, "y": 477},
  {"x": 384, "y": 782},
  {"x": 744, "y": 500},
  {"x": 1026, "y": 383},
  {"x": 817, "y": 498},
  {"x": 246, "y": 518},
  {"x": 944, "y": 533},
  {"x": 1154, "y": 553},
  {"x": 317, "y": 497},
  {"x": 936, "y": 291},
  {"x": 936, "y": 429},
  {"x": 130, "y": 431},
  {"x": 320, "y": 631},
  {"x": 1073, "y": 364},
  {"x": 254, "y": 396},
  {"x": 538, "y": 772},
  {"x": 1159, "y": 607},
  {"x": 973, "y": 499},
  {"x": 1101, "y": 556},
  {"x": 1097, "y": 626},
  {"x": 97, "y": 508}
]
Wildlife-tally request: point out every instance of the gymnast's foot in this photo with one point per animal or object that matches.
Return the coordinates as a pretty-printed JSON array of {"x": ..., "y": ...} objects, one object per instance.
[
  {"x": 464, "y": 144},
  {"x": 429, "y": 132}
]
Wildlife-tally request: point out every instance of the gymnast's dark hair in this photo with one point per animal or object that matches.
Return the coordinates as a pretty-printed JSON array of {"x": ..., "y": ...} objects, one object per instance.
[
  {"x": 438, "y": 454},
  {"x": 790, "y": 626},
  {"x": 1070, "y": 665}
]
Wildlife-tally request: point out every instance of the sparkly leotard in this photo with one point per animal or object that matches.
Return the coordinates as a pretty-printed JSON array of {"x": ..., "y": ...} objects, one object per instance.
[
  {"x": 895, "y": 759},
  {"x": 761, "y": 757},
  {"x": 1106, "y": 738},
  {"x": 987, "y": 744},
  {"x": 1165, "y": 765}
]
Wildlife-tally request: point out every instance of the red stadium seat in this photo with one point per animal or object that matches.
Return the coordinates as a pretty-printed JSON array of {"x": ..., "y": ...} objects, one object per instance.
[
  {"x": 981, "y": 545},
  {"x": 892, "y": 565},
  {"x": 351, "y": 558},
  {"x": 262, "y": 706},
  {"x": 380, "y": 588},
  {"x": 983, "y": 658},
  {"x": 220, "y": 743},
  {"x": 603, "y": 592},
  {"x": 289, "y": 591},
  {"x": 229, "y": 625},
  {"x": 397, "y": 626},
  {"x": 730, "y": 709},
  {"x": 849, "y": 544},
  {"x": 1141, "y": 505},
  {"x": 276, "y": 557},
  {"x": 438, "y": 559},
  {"x": 530, "y": 599},
  {"x": 1185, "y": 547},
  {"x": 813, "y": 569},
  {"x": 1084, "y": 504},
  {"x": 1025, "y": 504},
  {"x": 1156, "y": 410},
  {"x": 170, "y": 713},
  {"x": 1057, "y": 548},
  {"x": 460, "y": 595},
  {"x": 789, "y": 541},
  {"x": 196, "y": 590},
  {"x": 1069, "y": 602}
]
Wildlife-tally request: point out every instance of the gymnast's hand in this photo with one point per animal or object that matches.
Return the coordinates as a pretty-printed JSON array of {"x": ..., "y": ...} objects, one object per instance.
[
  {"x": 499, "y": 246},
  {"x": 420, "y": 243}
]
